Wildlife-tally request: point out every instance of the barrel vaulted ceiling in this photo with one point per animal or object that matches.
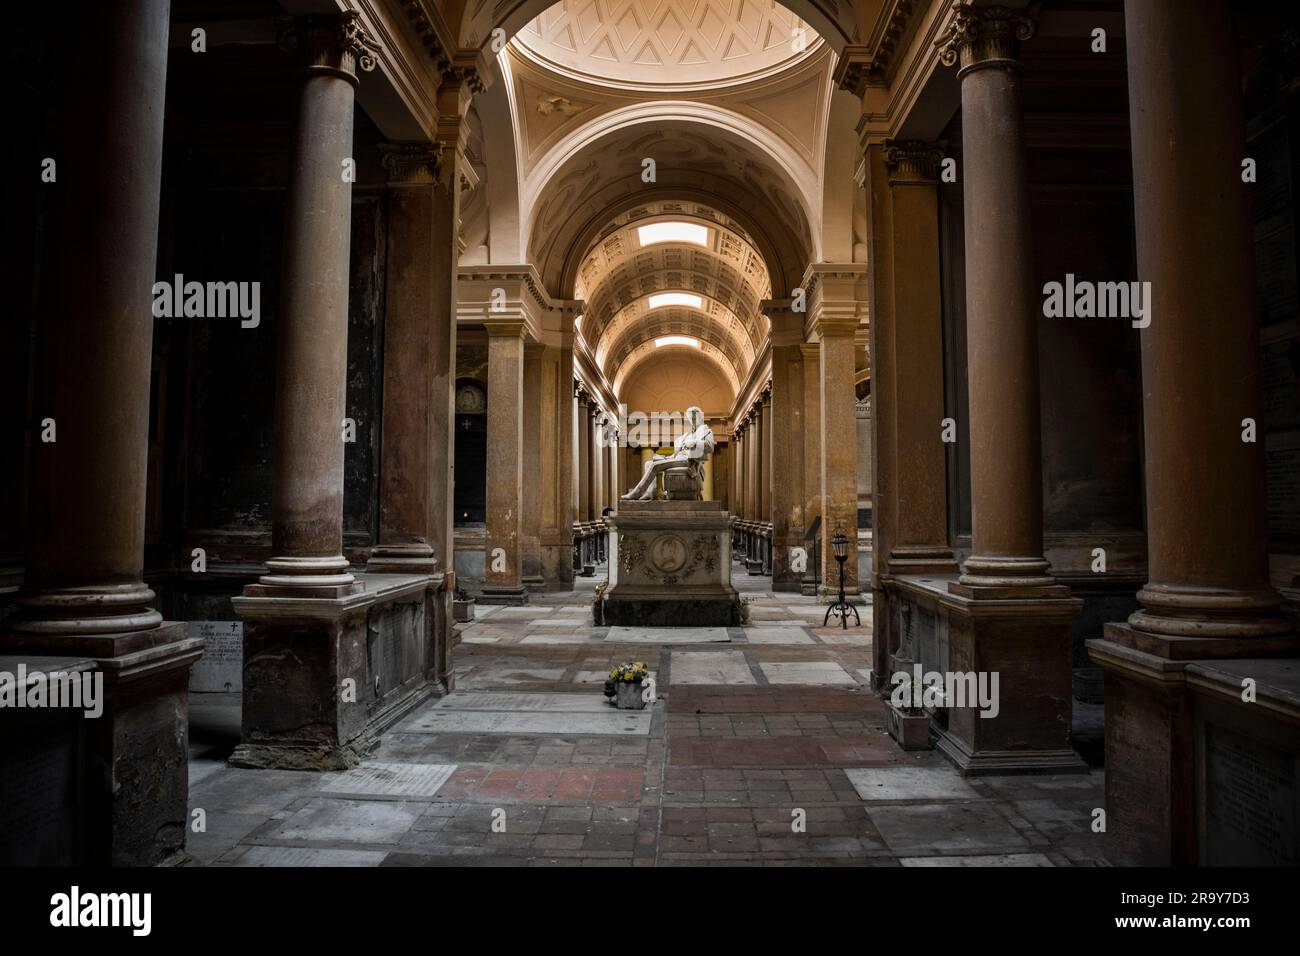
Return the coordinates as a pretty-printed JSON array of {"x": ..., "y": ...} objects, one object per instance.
[{"x": 729, "y": 99}]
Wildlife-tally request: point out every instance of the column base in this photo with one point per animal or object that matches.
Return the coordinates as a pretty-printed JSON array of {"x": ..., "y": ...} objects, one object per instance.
[
  {"x": 509, "y": 596},
  {"x": 402, "y": 559},
  {"x": 116, "y": 792},
  {"x": 975, "y": 763}
]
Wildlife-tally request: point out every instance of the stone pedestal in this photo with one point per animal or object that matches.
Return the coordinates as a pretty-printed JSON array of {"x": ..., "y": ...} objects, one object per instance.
[
  {"x": 110, "y": 790},
  {"x": 669, "y": 567},
  {"x": 325, "y": 676},
  {"x": 1026, "y": 644}
]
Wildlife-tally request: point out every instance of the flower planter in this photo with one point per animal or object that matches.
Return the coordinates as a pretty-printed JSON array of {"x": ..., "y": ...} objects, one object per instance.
[
  {"x": 462, "y": 611},
  {"x": 629, "y": 696}
]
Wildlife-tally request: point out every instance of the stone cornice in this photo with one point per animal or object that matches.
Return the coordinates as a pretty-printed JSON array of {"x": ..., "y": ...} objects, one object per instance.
[
  {"x": 981, "y": 37},
  {"x": 454, "y": 65}
]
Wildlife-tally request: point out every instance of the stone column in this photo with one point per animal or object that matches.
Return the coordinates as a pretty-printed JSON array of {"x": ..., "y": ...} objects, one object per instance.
[
  {"x": 812, "y": 455},
  {"x": 1006, "y": 614},
  {"x": 1208, "y": 593},
  {"x": 503, "y": 580},
  {"x": 919, "y": 501},
  {"x": 84, "y": 607},
  {"x": 531, "y": 513},
  {"x": 87, "y": 506},
  {"x": 311, "y": 377},
  {"x": 787, "y": 429},
  {"x": 1001, "y": 306},
  {"x": 1206, "y": 521}
]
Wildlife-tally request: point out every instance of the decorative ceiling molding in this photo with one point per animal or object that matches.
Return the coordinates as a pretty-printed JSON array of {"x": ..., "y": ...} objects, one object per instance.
[{"x": 662, "y": 45}]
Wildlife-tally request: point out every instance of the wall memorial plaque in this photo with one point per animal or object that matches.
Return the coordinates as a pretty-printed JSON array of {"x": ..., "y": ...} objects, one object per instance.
[
  {"x": 221, "y": 668},
  {"x": 1250, "y": 801}
]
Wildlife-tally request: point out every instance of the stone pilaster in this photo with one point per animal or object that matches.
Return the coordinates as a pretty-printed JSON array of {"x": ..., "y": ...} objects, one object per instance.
[
  {"x": 556, "y": 475},
  {"x": 531, "y": 514},
  {"x": 406, "y": 477},
  {"x": 812, "y": 455},
  {"x": 503, "y": 579},
  {"x": 919, "y": 505},
  {"x": 837, "y": 297},
  {"x": 788, "y": 424}
]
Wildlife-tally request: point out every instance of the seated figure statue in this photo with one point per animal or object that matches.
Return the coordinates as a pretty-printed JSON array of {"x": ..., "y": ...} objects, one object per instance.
[{"x": 690, "y": 451}]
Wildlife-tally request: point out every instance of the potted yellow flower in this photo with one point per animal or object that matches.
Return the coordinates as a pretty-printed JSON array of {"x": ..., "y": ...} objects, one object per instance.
[{"x": 627, "y": 680}]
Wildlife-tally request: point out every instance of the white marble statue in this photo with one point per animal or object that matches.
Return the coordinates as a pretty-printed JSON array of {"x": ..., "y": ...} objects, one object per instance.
[{"x": 692, "y": 450}]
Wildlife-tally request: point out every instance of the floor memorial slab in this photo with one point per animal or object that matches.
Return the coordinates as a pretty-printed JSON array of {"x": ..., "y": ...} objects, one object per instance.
[
  {"x": 389, "y": 780},
  {"x": 307, "y": 856},
  {"x": 330, "y": 820},
  {"x": 559, "y": 637},
  {"x": 612, "y": 722},
  {"x": 910, "y": 783},
  {"x": 917, "y": 829},
  {"x": 667, "y": 635},
  {"x": 593, "y": 703},
  {"x": 770, "y": 634},
  {"x": 509, "y": 675},
  {"x": 859, "y": 639},
  {"x": 822, "y": 673},
  {"x": 1008, "y": 859},
  {"x": 708, "y": 667}
]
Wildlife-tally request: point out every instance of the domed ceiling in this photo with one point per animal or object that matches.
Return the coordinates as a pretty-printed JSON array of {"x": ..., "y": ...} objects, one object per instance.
[{"x": 667, "y": 44}]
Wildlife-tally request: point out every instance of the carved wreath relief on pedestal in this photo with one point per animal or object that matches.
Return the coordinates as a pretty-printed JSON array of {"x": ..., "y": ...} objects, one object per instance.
[{"x": 669, "y": 558}]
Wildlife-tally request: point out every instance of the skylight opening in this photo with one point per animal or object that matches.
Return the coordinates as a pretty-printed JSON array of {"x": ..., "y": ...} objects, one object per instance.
[
  {"x": 675, "y": 298},
  {"x": 673, "y": 232},
  {"x": 677, "y": 340}
]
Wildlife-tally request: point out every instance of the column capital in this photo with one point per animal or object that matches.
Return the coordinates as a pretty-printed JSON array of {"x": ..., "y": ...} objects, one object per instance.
[
  {"x": 985, "y": 36},
  {"x": 913, "y": 161},
  {"x": 505, "y": 328},
  {"x": 410, "y": 162},
  {"x": 329, "y": 43}
]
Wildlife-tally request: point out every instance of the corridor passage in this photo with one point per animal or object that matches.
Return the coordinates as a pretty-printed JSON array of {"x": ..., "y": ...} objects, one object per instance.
[{"x": 756, "y": 730}]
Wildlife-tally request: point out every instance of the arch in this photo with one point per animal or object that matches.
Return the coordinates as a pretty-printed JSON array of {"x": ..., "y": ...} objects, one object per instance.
[
  {"x": 679, "y": 377},
  {"x": 720, "y": 151}
]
